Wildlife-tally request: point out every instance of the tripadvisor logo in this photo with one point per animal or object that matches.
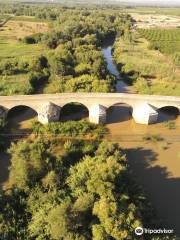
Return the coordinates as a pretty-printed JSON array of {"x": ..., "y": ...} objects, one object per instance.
[{"x": 140, "y": 231}]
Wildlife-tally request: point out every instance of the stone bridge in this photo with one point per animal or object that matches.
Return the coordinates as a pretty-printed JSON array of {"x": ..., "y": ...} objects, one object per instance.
[{"x": 48, "y": 106}]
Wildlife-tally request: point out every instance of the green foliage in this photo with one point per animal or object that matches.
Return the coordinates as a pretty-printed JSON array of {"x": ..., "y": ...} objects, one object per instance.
[
  {"x": 176, "y": 58},
  {"x": 170, "y": 125},
  {"x": 142, "y": 85},
  {"x": 33, "y": 39},
  {"x": 87, "y": 83},
  {"x": 13, "y": 217},
  {"x": 70, "y": 128},
  {"x": 28, "y": 162},
  {"x": 8, "y": 67}
]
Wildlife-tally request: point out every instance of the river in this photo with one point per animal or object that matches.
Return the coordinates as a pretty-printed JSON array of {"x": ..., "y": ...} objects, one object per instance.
[
  {"x": 121, "y": 86},
  {"x": 154, "y": 164}
]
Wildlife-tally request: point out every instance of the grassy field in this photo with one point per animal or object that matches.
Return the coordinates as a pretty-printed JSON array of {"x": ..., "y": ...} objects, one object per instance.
[
  {"x": 15, "y": 30},
  {"x": 149, "y": 71},
  {"x": 11, "y": 48},
  {"x": 28, "y": 19},
  {"x": 12, "y": 31}
]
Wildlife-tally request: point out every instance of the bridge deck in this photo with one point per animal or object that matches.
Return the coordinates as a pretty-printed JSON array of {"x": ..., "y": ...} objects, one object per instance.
[{"x": 89, "y": 95}]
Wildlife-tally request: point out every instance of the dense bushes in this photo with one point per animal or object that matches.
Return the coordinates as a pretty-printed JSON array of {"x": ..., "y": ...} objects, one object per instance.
[
  {"x": 32, "y": 39},
  {"x": 8, "y": 67},
  {"x": 70, "y": 128}
]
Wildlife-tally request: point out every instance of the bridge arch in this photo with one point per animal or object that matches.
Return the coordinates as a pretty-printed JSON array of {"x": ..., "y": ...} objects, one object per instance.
[
  {"x": 21, "y": 107},
  {"x": 73, "y": 111},
  {"x": 119, "y": 112},
  {"x": 167, "y": 113},
  {"x": 19, "y": 118}
]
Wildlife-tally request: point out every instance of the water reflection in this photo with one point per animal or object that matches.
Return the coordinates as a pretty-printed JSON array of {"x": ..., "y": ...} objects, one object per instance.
[
  {"x": 121, "y": 86},
  {"x": 107, "y": 52},
  {"x": 119, "y": 113},
  {"x": 167, "y": 114}
]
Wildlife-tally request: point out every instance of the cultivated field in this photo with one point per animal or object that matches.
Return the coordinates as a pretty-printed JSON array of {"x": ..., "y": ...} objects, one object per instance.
[{"x": 165, "y": 40}]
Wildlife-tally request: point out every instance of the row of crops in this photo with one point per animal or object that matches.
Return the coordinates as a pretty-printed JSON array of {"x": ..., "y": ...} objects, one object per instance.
[{"x": 165, "y": 40}]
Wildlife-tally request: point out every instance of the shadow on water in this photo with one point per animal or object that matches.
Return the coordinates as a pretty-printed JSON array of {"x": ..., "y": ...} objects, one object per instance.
[
  {"x": 167, "y": 114},
  {"x": 73, "y": 112},
  {"x": 162, "y": 188},
  {"x": 119, "y": 113}
]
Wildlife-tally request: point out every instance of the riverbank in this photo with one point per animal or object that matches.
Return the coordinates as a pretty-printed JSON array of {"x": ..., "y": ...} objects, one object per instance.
[{"x": 148, "y": 71}]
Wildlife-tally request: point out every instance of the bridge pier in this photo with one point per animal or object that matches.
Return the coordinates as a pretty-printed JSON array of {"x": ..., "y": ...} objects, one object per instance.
[
  {"x": 97, "y": 114},
  {"x": 49, "y": 112},
  {"x": 145, "y": 114}
]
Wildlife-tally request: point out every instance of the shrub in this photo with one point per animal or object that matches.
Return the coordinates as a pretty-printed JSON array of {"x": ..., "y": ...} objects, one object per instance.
[
  {"x": 33, "y": 39},
  {"x": 170, "y": 125},
  {"x": 153, "y": 138},
  {"x": 70, "y": 128},
  {"x": 8, "y": 67}
]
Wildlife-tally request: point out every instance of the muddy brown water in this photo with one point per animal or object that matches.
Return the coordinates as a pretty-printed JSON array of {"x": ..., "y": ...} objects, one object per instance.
[{"x": 155, "y": 164}]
